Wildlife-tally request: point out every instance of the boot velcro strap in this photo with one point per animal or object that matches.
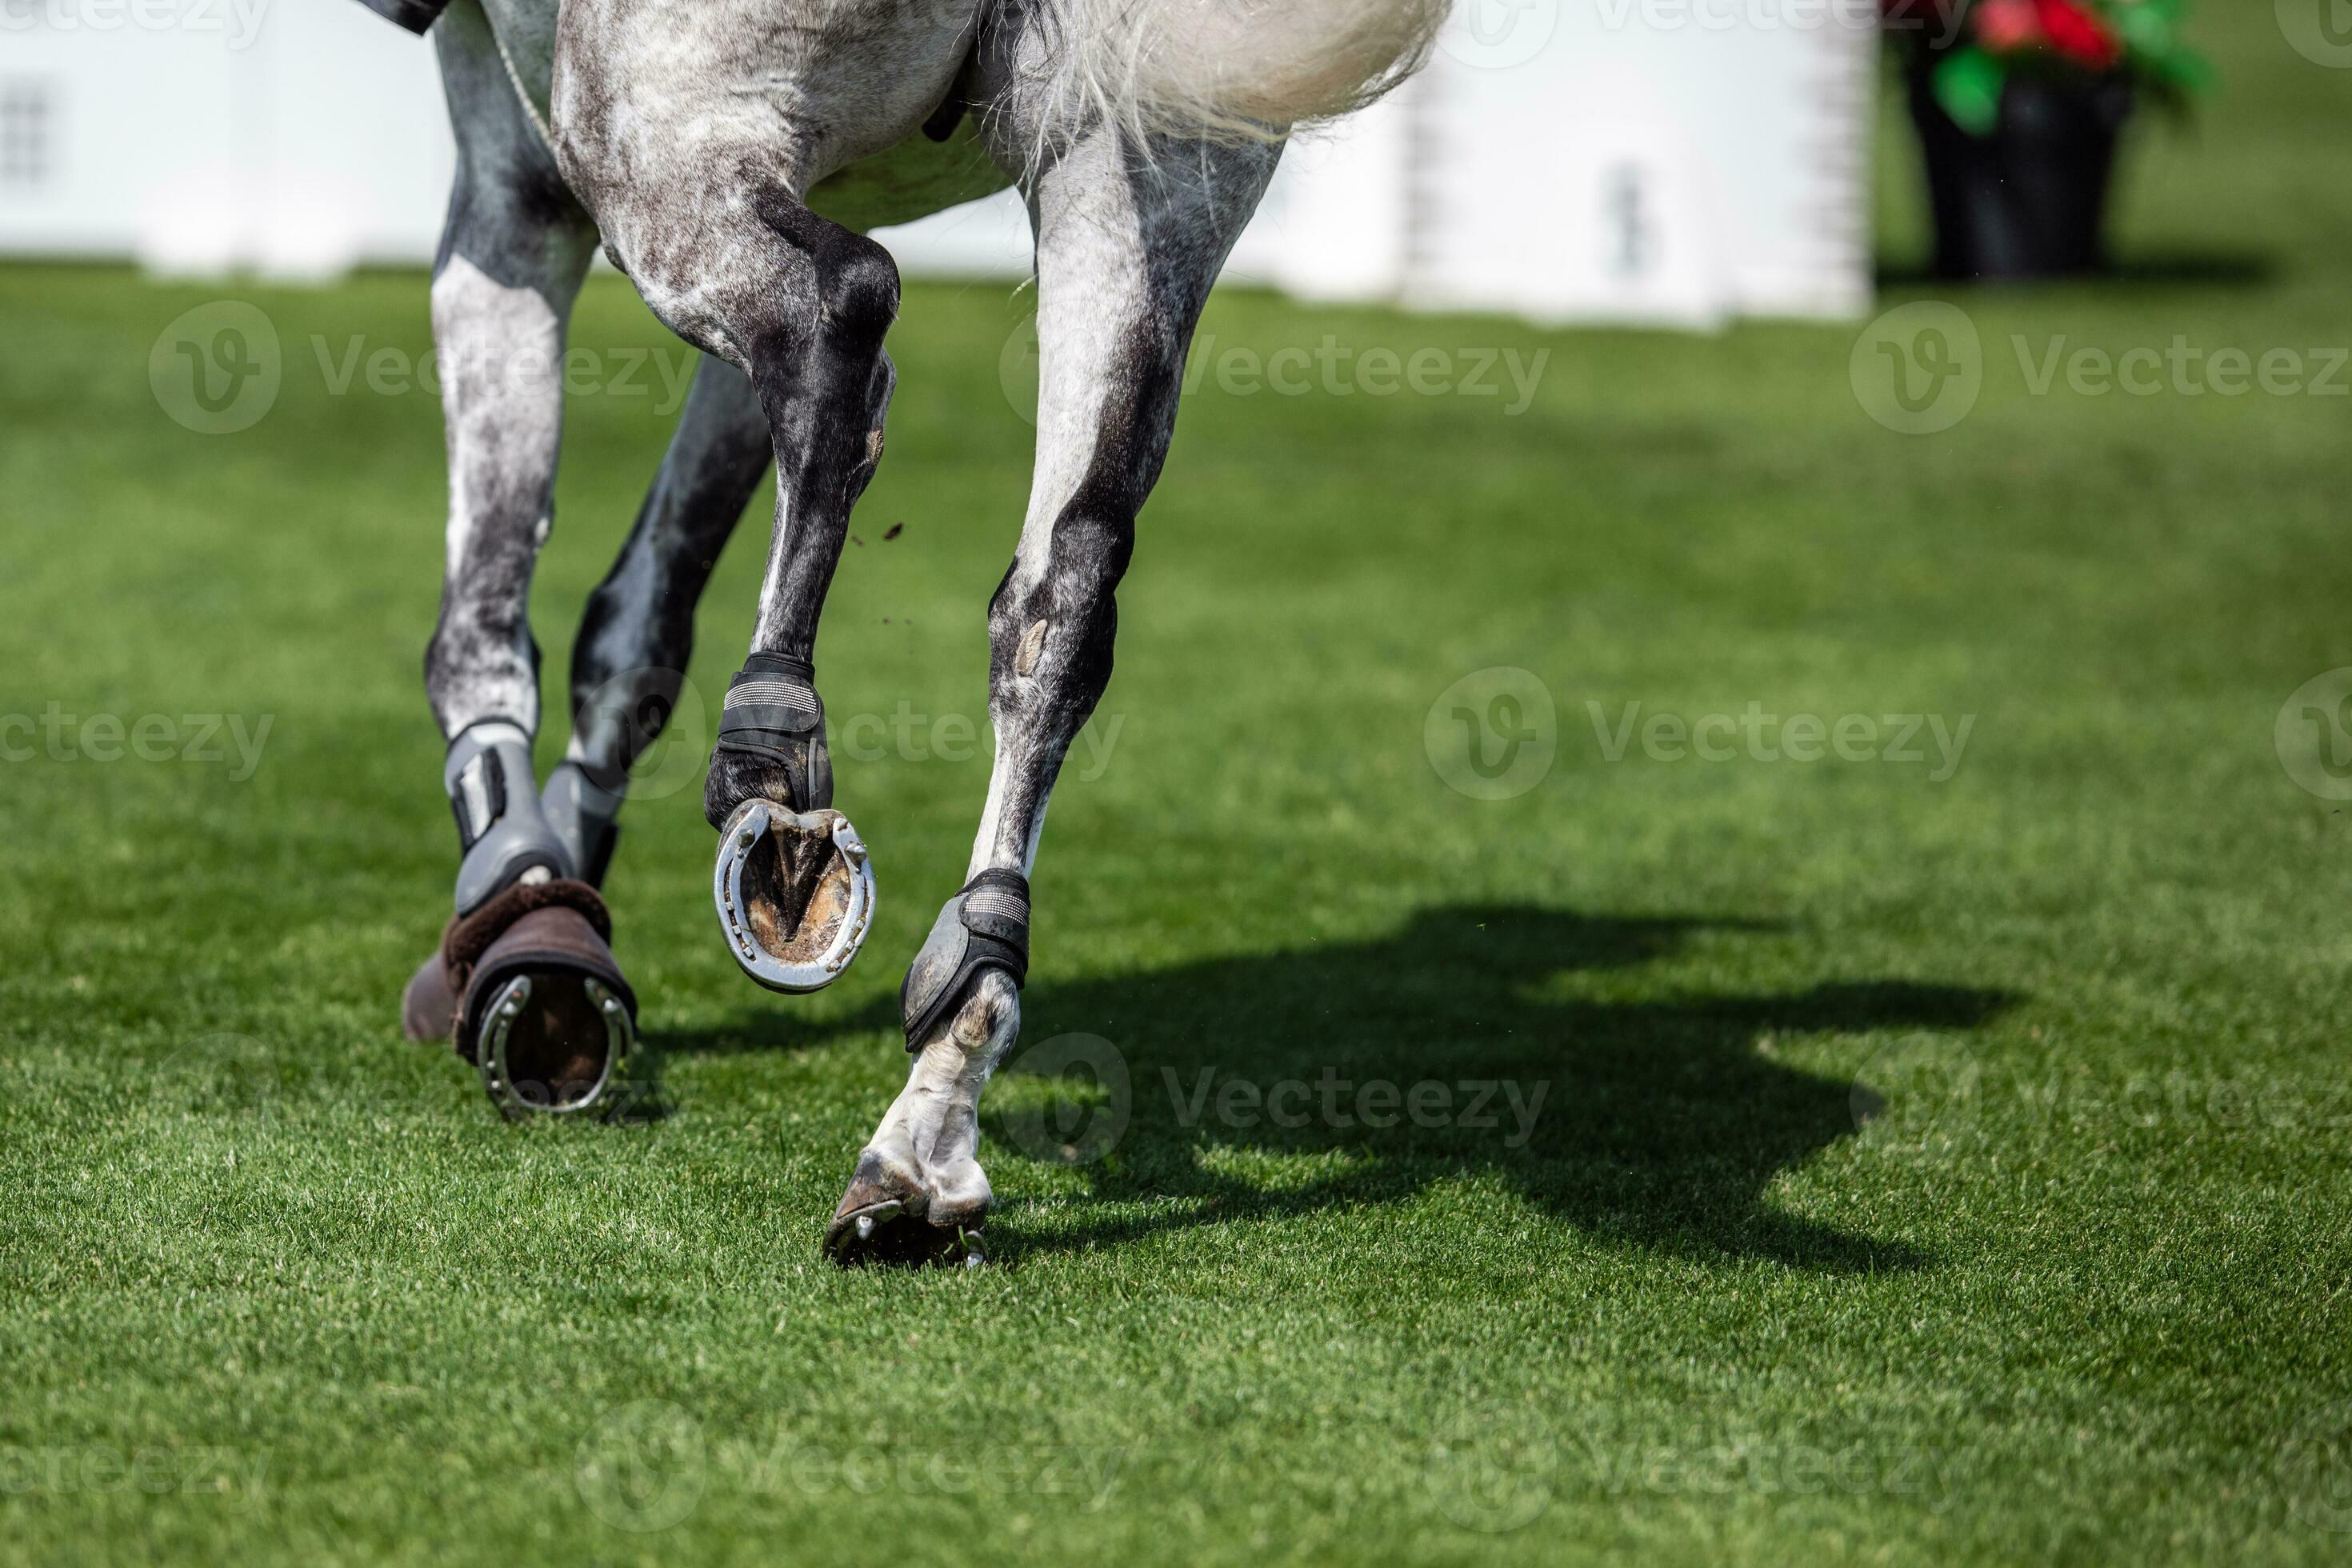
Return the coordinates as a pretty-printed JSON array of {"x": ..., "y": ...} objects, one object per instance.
[
  {"x": 480, "y": 800},
  {"x": 772, "y": 699},
  {"x": 996, "y": 904}
]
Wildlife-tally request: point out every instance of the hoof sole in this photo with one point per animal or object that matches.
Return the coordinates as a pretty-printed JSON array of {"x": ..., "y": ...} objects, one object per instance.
[
  {"x": 552, "y": 1044},
  {"x": 548, "y": 1017},
  {"x": 794, "y": 895}
]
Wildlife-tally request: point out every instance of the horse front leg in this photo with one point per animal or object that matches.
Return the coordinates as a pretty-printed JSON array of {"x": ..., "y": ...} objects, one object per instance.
[
  {"x": 793, "y": 887},
  {"x": 1125, "y": 261}
]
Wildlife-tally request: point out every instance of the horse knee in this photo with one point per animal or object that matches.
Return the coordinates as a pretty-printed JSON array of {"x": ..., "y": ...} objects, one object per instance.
[{"x": 846, "y": 301}]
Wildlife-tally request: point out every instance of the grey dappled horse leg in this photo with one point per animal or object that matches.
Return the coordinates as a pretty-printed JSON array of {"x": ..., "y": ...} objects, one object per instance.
[
  {"x": 524, "y": 983},
  {"x": 512, "y": 257},
  {"x": 649, "y": 104},
  {"x": 1125, "y": 260},
  {"x": 824, "y": 384},
  {"x": 794, "y": 890},
  {"x": 636, "y": 640}
]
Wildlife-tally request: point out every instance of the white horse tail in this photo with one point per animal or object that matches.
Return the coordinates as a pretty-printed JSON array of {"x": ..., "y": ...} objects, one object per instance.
[{"x": 1232, "y": 69}]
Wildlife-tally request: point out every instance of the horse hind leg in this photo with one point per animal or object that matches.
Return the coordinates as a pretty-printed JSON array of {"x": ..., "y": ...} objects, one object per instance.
[
  {"x": 525, "y": 982},
  {"x": 1125, "y": 261}
]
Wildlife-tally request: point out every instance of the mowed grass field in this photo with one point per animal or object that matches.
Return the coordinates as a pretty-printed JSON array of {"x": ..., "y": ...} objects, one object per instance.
[{"x": 1835, "y": 1160}]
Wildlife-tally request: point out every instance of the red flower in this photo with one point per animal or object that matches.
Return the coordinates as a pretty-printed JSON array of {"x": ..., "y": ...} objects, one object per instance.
[
  {"x": 2079, "y": 34},
  {"x": 2007, "y": 27}
]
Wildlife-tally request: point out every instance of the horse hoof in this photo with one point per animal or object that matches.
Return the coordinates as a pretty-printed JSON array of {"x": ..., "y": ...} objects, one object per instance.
[
  {"x": 795, "y": 894},
  {"x": 548, "y": 1018},
  {"x": 885, "y": 1220}
]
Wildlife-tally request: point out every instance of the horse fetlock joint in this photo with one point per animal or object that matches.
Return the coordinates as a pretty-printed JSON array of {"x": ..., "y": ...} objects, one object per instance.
[{"x": 772, "y": 744}]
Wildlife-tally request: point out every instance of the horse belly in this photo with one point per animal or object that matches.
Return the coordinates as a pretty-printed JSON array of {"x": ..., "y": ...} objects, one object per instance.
[{"x": 913, "y": 180}]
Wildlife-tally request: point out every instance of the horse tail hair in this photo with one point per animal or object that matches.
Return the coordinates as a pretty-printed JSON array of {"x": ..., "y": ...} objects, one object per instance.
[{"x": 1232, "y": 70}]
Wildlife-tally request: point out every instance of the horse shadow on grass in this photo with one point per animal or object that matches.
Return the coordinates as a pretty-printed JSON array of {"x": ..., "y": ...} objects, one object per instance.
[{"x": 1463, "y": 1043}]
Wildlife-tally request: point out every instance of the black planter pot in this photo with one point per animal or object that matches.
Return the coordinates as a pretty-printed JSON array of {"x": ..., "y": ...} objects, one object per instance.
[{"x": 2030, "y": 199}]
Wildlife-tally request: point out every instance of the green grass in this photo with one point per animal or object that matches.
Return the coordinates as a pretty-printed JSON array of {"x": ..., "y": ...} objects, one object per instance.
[{"x": 276, "y": 1286}]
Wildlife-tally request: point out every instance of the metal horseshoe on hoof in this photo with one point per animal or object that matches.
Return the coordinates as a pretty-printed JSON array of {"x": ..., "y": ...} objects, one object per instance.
[
  {"x": 518, "y": 1100},
  {"x": 792, "y": 935}
]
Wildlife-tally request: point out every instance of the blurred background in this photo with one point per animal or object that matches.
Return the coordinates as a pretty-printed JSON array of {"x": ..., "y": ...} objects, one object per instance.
[{"x": 1682, "y": 162}]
